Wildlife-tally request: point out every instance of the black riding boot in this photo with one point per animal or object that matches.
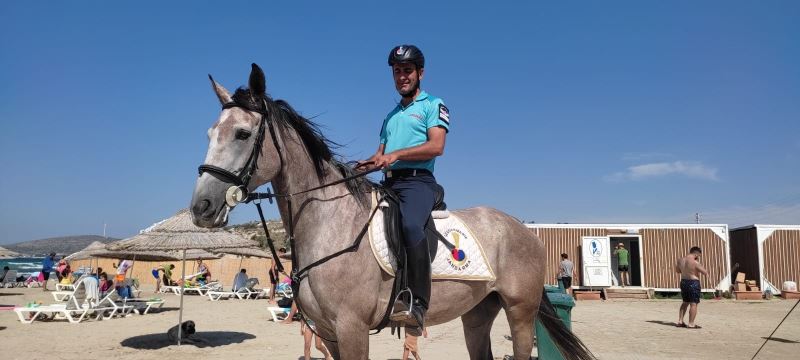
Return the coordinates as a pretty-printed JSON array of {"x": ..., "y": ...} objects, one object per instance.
[{"x": 419, "y": 284}]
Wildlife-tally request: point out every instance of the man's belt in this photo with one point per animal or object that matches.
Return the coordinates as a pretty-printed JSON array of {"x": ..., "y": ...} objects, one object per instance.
[{"x": 399, "y": 173}]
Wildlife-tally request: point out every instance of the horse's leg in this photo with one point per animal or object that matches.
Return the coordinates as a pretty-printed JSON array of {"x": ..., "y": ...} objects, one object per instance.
[
  {"x": 333, "y": 348},
  {"x": 352, "y": 335},
  {"x": 521, "y": 313},
  {"x": 477, "y": 326}
]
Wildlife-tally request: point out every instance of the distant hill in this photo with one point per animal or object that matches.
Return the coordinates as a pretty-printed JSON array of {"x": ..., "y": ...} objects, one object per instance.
[
  {"x": 254, "y": 230},
  {"x": 63, "y": 245}
]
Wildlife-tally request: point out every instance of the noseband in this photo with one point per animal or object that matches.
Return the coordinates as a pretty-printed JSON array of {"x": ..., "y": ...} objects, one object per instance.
[{"x": 241, "y": 180}]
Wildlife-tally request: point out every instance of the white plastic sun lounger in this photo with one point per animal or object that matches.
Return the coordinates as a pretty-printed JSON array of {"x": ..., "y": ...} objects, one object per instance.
[
  {"x": 279, "y": 313},
  {"x": 28, "y": 315},
  {"x": 143, "y": 306}
]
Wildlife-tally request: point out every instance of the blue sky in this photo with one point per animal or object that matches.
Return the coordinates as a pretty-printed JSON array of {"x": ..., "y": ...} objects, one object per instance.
[{"x": 601, "y": 112}]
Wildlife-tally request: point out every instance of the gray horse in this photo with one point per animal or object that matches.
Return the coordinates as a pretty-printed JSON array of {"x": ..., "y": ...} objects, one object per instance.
[{"x": 257, "y": 140}]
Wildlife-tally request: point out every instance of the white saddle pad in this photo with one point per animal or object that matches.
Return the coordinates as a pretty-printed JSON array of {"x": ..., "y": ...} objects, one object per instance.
[{"x": 466, "y": 262}]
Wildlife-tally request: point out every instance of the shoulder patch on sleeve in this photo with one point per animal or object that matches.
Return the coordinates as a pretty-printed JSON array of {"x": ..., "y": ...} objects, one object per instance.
[{"x": 444, "y": 114}]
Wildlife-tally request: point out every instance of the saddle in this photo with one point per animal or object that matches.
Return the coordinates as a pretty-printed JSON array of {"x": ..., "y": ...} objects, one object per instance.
[{"x": 394, "y": 229}]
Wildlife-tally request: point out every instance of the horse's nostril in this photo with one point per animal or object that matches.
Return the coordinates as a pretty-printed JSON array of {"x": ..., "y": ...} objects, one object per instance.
[{"x": 201, "y": 206}]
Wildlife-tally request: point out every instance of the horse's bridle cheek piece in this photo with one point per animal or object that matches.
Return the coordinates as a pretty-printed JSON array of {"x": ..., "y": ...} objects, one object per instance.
[{"x": 238, "y": 192}]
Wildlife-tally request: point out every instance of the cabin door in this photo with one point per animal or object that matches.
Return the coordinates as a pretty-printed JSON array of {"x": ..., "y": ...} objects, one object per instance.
[{"x": 596, "y": 261}]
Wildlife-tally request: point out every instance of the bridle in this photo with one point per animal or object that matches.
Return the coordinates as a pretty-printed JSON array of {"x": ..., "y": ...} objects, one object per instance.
[{"x": 239, "y": 193}]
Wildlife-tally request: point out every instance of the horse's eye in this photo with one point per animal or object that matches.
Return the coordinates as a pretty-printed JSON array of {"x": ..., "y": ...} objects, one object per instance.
[{"x": 242, "y": 134}]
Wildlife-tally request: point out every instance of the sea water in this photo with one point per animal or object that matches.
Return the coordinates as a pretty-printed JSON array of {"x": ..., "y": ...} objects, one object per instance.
[{"x": 24, "y": 266}]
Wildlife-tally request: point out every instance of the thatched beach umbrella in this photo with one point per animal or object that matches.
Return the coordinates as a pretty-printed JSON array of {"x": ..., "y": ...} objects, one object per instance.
[
  {"x": 179, "y": 233},
  {"x": 5, "y": 253}
]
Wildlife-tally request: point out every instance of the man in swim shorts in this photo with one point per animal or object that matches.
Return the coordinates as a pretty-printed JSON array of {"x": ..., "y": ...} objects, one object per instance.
[{"x": 690, "y": 269}]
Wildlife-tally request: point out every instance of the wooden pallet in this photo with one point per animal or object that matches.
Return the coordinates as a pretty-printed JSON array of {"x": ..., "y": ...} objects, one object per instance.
[
  {"x": 587, "y": 295},
  {"x": 748, "y": 295},
  {"x": 790, "y": 295},
  {"x": 627, "y": 293}
]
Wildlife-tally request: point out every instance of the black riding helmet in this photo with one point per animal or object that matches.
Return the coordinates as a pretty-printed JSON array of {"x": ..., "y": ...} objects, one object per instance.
[{"x": 407, "y": 54}]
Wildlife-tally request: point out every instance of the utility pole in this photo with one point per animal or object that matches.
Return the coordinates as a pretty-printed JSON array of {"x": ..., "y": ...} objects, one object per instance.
[{"x": 697, "y": 218}]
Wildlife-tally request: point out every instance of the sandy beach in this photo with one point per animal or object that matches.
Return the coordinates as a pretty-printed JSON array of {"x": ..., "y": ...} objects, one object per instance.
[{"x": 243, "y": 329}]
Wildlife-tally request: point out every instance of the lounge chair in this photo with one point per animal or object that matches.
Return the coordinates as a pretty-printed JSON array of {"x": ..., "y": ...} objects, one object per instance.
[
  {"x": 170, "y": 289},
  {"x": 64, "y": 295},
  {"x": 77, "y": 308},
  {"x": 142, "y": 306},
  {"x": 279, "y": 313},
  {"x": 284, "y": 289},
  {"x": 248, "y": 291},
  {"x": 9, "y": 279},
  {"x": 202, "y": 289}
]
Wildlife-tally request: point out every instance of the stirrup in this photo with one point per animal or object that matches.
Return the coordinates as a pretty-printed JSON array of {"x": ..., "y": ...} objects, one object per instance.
[{"x": 401, "y": 312}]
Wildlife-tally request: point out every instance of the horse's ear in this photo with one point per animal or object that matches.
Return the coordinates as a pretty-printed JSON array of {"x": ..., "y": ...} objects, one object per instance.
[
  {"x": 222, "y": 94},
  {"x": 258, "y": 84}
]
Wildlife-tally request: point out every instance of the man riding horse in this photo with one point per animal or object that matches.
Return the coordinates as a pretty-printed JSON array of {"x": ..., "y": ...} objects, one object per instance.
[{"x": 412, "y": 136}]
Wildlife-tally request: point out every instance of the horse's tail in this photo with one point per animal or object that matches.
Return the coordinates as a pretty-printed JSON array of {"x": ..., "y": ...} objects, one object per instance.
[{"x": 568, "y": 344}]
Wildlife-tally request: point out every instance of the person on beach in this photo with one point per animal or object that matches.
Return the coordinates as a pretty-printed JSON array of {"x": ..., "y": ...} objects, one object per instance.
[
  {"x": 62, "y": 264},
  {"x": 308, "y": 335},
  {"x": 66, "y": 276},
  {"x": 167, "y": 276},
  {"x": 47, "y": 267},
  {"x": 240, "y": 280},
  {"x": 410, "y": 346},
  {"x": 274, "y": 277},
  {"x": 690, "y": 269},
  {"x": 565, "y": 270},
  {"x": 122, "y": 270},
  {"x": 623, "y": 264},
  {"x": 155, "y": 272},
  {"x": 105, "y": 284},
  {"x": 204, "y": 275}
]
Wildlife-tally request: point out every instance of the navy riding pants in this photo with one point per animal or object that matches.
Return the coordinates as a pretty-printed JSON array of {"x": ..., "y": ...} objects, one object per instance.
[{"x": 416, "y": 194}]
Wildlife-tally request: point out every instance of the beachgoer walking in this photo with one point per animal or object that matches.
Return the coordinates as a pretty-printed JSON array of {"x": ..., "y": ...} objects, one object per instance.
[
  {"x": 623, "y": 264},
  {"x": 690, "y": 269},
  {"x": 565, "y": 271},
  {"x": 47, "y": 267},
  {"x": 412, "y": 136}
]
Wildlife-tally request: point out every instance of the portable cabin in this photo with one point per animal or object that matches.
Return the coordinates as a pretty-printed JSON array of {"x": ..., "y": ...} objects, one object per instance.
[
  {"x": 653, "y": 249},
  {"x": 769, "y": 254}
]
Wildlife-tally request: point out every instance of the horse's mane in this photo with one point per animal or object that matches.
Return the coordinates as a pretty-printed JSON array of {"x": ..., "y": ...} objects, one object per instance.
[{"x": 319, "y": 147}]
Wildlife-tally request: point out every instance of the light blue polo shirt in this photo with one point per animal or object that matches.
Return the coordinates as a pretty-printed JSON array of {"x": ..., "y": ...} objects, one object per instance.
[{"x": 408, "y": 126}]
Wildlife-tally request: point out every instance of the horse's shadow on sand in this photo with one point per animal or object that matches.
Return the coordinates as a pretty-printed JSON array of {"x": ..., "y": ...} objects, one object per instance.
[{"x": 202, "y": 339}]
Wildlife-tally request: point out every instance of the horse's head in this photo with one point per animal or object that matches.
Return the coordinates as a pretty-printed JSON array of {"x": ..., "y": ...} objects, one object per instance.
[{"x": 241, "y": 153}]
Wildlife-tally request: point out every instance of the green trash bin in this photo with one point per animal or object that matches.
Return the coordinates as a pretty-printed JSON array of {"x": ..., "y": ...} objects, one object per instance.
[
  {"x": 563, "y": 303},
  {"x": 554, "y": 289}
]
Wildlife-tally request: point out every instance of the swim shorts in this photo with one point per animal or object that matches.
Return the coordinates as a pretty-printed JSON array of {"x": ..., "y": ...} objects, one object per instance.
[
  {"x": 690, "y": 291},
  {"x": 623, "y": 268}
]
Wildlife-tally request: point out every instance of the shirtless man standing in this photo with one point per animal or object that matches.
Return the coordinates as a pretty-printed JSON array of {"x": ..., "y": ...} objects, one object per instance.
[{"x": 690, "y": 269}]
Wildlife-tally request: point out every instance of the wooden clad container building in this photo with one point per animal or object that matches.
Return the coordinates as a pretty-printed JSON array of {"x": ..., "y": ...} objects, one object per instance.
[
  {"x": 769, "y": 254},
  {"x": 653, "y": 250}
]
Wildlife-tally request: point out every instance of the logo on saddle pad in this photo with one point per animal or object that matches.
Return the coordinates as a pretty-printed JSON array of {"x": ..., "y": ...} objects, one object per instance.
[{"x": 457, "y": 260}]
